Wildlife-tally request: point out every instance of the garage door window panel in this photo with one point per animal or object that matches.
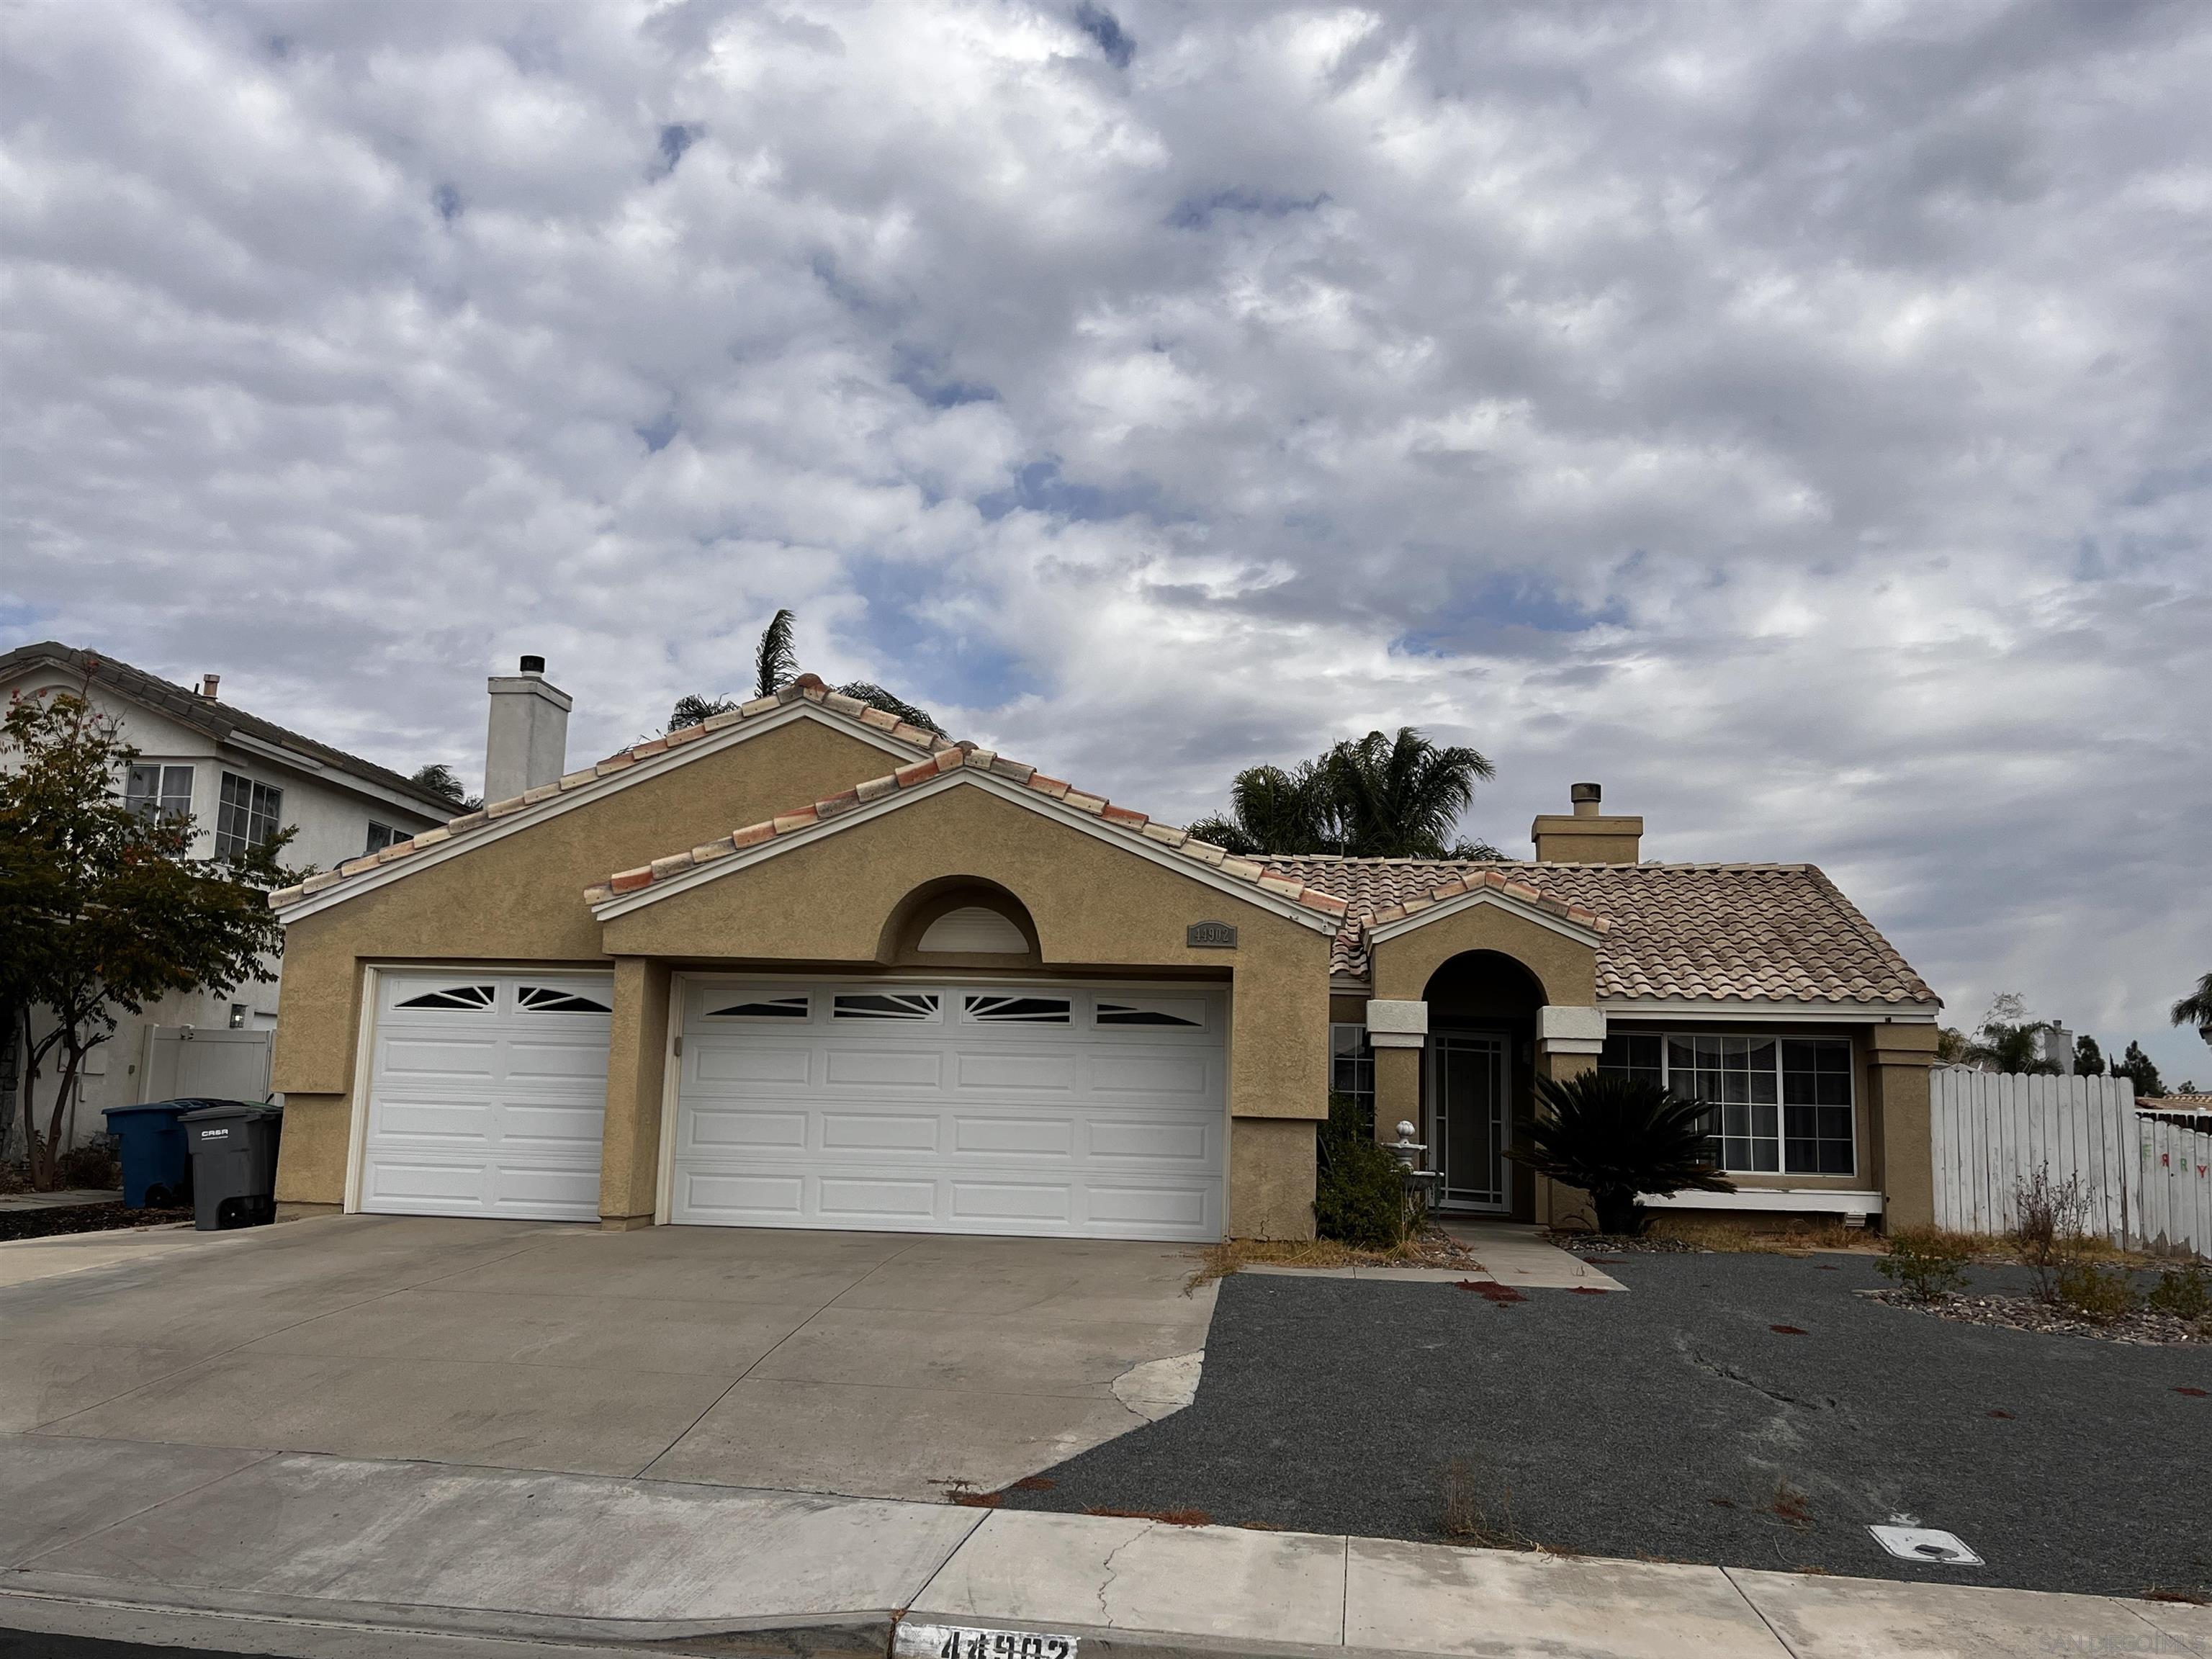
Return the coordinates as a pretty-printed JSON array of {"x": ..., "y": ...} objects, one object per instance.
[
  {"x": 885, "y": 1005},
  {"x": 455, "y": 998}
]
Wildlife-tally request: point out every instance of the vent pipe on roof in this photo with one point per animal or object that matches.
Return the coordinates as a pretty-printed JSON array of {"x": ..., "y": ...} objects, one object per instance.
[
  {"x": 526, "y": 732},
  {"x": 208, "y": 684}
]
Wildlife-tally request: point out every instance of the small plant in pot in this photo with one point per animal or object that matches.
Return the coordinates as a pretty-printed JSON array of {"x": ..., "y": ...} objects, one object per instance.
[{"x": 1616, "y": 1137}]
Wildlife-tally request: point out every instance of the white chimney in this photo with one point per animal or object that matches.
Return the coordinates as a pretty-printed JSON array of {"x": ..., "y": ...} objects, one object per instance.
[
  {"x": 526, "y": 738},
  {"x": 208, "y": 684},
  {"x": 2057, "y": 1045}
]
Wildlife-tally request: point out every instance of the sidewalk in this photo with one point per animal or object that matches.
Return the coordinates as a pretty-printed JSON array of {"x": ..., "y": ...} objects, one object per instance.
[{"x": 92, "y": 1526}]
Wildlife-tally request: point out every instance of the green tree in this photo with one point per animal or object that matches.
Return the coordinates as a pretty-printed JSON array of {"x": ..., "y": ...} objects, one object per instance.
[
  {"x": 2196, "y": 1009},
  {"x": 2139, "y": 1068},
  {"x": 105, "y": 907},
  {"x": 1615, "y": 1137},
  {"x": 2089, "y": 1058},
  {"x": 1383, "y": 795},
  {"x": 776, "y": 664},
  {"x": 2011, "y": 1039}
]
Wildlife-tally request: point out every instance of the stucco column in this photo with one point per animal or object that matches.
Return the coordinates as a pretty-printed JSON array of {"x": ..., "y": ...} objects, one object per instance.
[
  {"x": 1397, "y": 1032},
  {"x": 629, "y": 1156},
  {"x": 1558, "y": 1206},
  {"x": 1899, "y": 1058}
]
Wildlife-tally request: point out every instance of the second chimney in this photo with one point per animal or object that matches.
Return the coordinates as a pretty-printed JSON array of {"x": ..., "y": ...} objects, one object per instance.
[
  {"x": 208, "y": 684},
  {"x": 1586, "y": 835},
  {"x": 526, "y": 735}
]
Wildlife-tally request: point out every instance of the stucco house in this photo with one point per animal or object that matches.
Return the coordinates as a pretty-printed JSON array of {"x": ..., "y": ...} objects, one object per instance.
[
  {"x": 806, "y": 966},
  {"x": 241, "y": 778}
]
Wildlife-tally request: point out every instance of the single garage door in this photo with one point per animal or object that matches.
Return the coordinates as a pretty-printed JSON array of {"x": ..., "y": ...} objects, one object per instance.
[
  {"x": 1041, "y": 1110},
  {"x": 487, "y": 1095}
]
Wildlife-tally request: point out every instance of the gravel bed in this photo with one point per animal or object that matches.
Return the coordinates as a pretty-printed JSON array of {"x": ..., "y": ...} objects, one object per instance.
[
  {"x": 1739, "y": 1410},
  {"x": 1589, "y": 1244},
  {"x": 2028, "y": 1313}
]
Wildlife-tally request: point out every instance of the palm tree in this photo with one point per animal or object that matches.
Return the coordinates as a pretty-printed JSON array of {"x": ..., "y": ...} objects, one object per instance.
[
  {"x": 1400, "y": 797},
  {"x": 438, "y": 778},
  {"x": 2196, "y": 1009},
  {"x": 1376, "y": 797},
  {"x": 776, "y": 664},
  {"x": 1274, "y": 810},
  {"x": 1615, "y": 1137}
]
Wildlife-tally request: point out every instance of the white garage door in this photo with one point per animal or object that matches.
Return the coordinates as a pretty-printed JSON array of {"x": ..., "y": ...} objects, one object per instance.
[
  {"x": 488, "y": 1094},
  {"x": 1036, "y": 1109}
]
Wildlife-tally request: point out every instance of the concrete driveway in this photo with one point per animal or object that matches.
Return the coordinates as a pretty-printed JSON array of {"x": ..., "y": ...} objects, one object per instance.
[{"x": 870, "y": 1365}]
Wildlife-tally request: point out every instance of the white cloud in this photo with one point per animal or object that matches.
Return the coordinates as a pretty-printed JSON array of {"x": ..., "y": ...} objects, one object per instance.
[{"x": 1791, "y": 416}]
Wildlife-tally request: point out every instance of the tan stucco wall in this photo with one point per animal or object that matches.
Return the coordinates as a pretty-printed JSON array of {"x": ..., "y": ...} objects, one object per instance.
[
  {"x": 1271, "y": 1178},
  {"x": 519, "y": 899},
  {"x": 1566, "y": 968},
  {"x": 637, "y": 1052},
  {"x": 1899, "y": 1058},
  {"x": 1095, "y": 906}
]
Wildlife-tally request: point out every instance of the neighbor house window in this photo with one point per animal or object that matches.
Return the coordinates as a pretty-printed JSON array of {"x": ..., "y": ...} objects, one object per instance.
[
  {"x": 247, "y": 817},
  {"x": 381, "y": 836},
  {"x": 158, "y": 791},
  {"x": 1352, "y": 1064},
  {"x": 1781, "y": 1105}
]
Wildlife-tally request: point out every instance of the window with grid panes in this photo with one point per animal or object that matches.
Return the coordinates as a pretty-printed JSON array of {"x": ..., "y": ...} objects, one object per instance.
[
  {"x": 158, "y": 791},
  {"x": 247, "y": 814},
  {"x": 1780, "y": 1105}
]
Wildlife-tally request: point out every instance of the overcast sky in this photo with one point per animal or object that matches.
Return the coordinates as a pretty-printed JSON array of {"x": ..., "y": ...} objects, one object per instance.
[{"x": 1794, "y": 417}]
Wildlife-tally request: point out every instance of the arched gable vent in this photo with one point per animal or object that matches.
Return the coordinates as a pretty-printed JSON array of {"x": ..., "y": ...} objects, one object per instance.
[{"x": 972, "y": 928}]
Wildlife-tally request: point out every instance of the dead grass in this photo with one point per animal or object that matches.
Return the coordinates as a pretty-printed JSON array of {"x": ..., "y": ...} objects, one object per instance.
[
  {"x": 1468, "y": 1518},
  {"x": 1791, "y": 1237},
  {"x": 1430, "y": 1248}
]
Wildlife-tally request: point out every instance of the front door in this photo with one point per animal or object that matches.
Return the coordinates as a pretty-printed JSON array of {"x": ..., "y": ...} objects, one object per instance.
[{"x": 1470, "y": 1118}]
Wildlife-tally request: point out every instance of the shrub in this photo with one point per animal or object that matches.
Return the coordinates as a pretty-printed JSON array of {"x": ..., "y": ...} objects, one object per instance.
[
  {"x": 2094, "y": 1293},
  {"x": 2184, "y": 1293},
  {"x": 93, "y": 1165},
  {"x": 2050, "y": 1216},
  {"x": 1925, "y": 1263},
  {"x": 1360, "y": 1197},
  {"x": 1615, "y": 1137}
]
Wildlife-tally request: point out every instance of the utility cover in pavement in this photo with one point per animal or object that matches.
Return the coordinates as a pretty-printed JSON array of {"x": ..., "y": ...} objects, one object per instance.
[
  {"x": 1926, "y": 1545},
  {"x": 969, "y": 1642}
]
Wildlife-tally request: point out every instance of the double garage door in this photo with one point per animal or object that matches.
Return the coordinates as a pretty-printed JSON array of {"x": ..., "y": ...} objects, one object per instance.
[{"x": 1044, "y": 1110}]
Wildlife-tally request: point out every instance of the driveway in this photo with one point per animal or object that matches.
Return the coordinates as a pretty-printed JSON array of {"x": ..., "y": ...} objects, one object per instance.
[
  {"x": 870, "y": 1365},
  {"x": 1676, "y": 1423}
]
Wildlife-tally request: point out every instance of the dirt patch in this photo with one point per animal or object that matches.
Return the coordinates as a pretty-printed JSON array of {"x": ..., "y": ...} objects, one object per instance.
[
  {"x": 1432, "y": 1248},
  {"x": 82, "y": 1218},
  {"x": 2026, "y": 1312}
]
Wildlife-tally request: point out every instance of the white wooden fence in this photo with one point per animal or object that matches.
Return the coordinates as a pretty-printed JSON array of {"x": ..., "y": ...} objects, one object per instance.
[{"x": 2149, "y": 1184}]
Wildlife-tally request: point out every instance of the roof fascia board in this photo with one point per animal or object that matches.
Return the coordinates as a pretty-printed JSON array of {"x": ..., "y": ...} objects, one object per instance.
[
  {"x": 1799, "y": 1010},
  {"x": 1506, "y": 901},
  {"x": 338, "y": 777},
  {"x": 975, "y": 778},
  {"x": 652, "y": 766}
]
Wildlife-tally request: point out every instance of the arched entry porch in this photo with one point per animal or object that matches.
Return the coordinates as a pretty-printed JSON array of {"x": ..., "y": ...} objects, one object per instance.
[{"x": 1477, "y": 1083}]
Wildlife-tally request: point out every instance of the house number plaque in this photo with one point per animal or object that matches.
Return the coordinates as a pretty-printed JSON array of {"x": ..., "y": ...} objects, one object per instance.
[{"x": 1209, "y": 935}]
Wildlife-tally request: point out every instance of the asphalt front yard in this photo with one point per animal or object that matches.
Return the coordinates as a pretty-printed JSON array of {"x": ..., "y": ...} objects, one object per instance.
[{"x": 1678, "y": 1421}]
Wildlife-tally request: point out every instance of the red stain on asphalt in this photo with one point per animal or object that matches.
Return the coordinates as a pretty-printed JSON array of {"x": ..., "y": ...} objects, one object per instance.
[
  {"x": 1498, "y": 1295},
  {"x": 1785, "y": 1330},
  {"x": 2194, "y": 1394},
  {"x": 1033, "y": 1483},
  {"x": 2006, "y": 1415},
  {"x": 1591, "y": 1290}
]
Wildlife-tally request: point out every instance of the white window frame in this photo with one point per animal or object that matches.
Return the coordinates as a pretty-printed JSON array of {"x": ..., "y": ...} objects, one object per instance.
[
  {"x": 229, "y": 842},
  {"x": 1667, "y": 1039},
  {"x": 161, "y": 801}
]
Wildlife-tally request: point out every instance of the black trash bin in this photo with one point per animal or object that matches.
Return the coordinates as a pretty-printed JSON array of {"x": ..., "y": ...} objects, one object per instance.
[{"x": 234, "y": 1153}]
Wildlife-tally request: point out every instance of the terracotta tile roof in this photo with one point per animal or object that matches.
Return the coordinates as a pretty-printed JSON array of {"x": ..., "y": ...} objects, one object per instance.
[
  {"x": 1747, "y": 932},
  {"x": 218, "y": 719},
  {"x": 1270, "y": 876},
  {"x": 806, "y": 686}
]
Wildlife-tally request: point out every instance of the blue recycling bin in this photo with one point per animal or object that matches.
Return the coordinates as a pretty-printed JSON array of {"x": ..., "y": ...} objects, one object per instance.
[{"x": 156, "y": 1167}]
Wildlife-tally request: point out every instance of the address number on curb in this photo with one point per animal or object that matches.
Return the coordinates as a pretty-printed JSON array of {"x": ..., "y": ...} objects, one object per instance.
[{"x": 967, "y": 1642}]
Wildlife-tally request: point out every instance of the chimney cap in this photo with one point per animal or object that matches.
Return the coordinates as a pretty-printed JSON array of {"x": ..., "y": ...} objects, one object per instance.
[
  {"x": 532, "y": 665},
  {"x": 1582, "y": 792}
]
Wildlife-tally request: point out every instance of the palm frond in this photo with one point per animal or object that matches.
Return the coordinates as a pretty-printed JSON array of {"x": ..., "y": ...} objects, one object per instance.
[
  {"x": 2196, "y": 1008},
  {"x": 693, "y": 709},
  {"x": 876, "y": 698},
  {"x": 776, "y": 663}
]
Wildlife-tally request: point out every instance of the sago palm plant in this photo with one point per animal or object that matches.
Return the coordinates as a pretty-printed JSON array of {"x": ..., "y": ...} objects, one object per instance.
[{"x": 1615, "y": 1137}]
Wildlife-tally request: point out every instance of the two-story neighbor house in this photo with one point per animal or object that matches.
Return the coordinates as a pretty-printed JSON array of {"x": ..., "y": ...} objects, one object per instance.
[{"x": 240, "y": 778}]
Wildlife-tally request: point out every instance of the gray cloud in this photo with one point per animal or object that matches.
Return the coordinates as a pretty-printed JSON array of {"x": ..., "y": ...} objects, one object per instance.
[{"x": 1791, "y": 415}]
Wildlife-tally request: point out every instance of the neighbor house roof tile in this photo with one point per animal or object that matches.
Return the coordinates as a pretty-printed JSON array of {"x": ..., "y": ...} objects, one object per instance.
[{"x": 1748, "y": 932}]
